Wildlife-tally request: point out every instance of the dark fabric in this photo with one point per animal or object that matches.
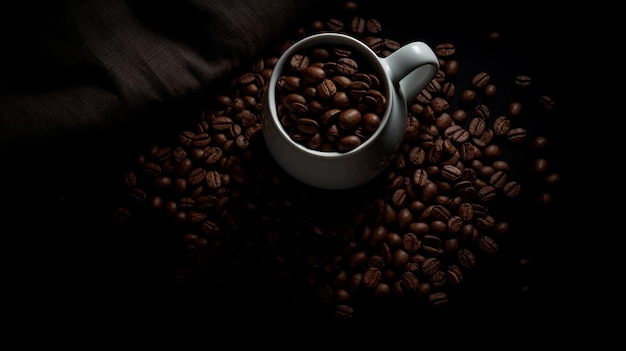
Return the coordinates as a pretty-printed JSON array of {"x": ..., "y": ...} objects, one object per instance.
[{"x": 74, "y": 67}]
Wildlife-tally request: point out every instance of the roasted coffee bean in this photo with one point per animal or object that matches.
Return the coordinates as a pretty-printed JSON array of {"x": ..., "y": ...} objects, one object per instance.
[
  {"x": 221, "y": 123},
  {"x": 410, "y": 242},
  {"x": 410, "y": 282},
  {"x": 212, "y": 154},
  {"x": 482, "y": 111},
  {"x": 447, "y": 90},
  {"x": 326, "y": 89},
  {"x": 349, "y": 119},
  {"x": 457, "y": 134},
  {"x": 372, "y": 277},
  {"x": 438, "y": 279},
  {"x": 501, "y": 125},
  {"x": 400, "y": 258},
  {"x": 138, "y": 195},
  {"x": 213, "y": 179},
  {"x": 501, "y": 165},
  {"x": 488, "y": 245},
  {"x": 514, "y": 109},
  {"x": 307, "y": 125},
  {"x": 129, "y": 179},
  {"x": 484, "y": 139},
  {"x": 373, "y": 25},
  {"x": 347, "y": 66},
  {"x": 511, "y": 189},
  {"x": 480, "y": 80},
  {"x": 460, "y": 116},
  {"x": 313, "y": 74},
  {"x": 539, "y": 142},
  {"x": 552, "y": 179},
  {"x": 487, "y": 193},
  {"x": 197, "y": 176},
  {"x": 210, "y": 227},
  {"x": 490, "y": 91},
  {"x": 439, "y": 105},
  {"x": 196, "y": 216},
  {"x": 374, "y": 43},
  {"x": 477, "y": 126},
  {"x": 431, "y": 245},
  {"x": 468, "y": 96},
  {"x": 466, "y": 258},
  {"x": 451, "y": 68},
  {"x": 424, "y": 97},
  {"x": 391, "y": 44},
  {"x": 371, "y": 122},
  {"x": 517, "y": 135},
  {"x": 358, "y": 89},
  {"x": 454, "y": 275},
  {"x": 451, "y": 172},
  {"x": 522, "y": 80},
  {"x": 440, "y": 76},
  {"x": 347, "y": 143},
  {"x": 151, "y": 169},
  {"x": 498, "y": 179},
  {"x": 343, "y": 312},
  {"x": 186, "y": 137},
  {"x": 547, "y": 103},
  {"x": 357, "y": 25},
  {"x": 431, "y": 266},
  {"x": 445, "y": 49}
]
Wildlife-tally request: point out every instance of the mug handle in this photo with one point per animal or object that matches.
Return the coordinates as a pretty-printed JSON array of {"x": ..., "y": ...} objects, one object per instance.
[{"x": 411, "y": 67}]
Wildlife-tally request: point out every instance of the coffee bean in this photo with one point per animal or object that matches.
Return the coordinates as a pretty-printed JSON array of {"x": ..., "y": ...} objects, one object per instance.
[
  {"x": 410, "y": 282},
  {"x": 490, "y": 91},
  {"x": 391, "y": 44},
  {"x": 547, "y": 103},
  {"x": 445, "y": 50},
  {"x": 514, "y": 109},
  {"x": 343, "y": 311},
  {"x": 466, "y": 258},
  {"x": 299, "y": 62},
  {"x": 539, "y": 142},
  {"x": 522, "y": 80},
  {"x": 372, "y": 277},
  {"x": 501, "y": 125},
  {"x": 511, "y": 189},
  {"x": 488, "y": 245},
  {"x": 373, "y": 25},
  {"x": 454, "y": 275},
  {"x": 357, "y": 25},
  {"x": 480, "y": 80},
  {"x": 451, "y": 68},
  {"x": 430, "y": 266},
  {"x": 468, "y": 96},
  {"x": 517, "y": 135},
  {"x": 326, "y": 89},
  {"x": 348, "y": 143}
]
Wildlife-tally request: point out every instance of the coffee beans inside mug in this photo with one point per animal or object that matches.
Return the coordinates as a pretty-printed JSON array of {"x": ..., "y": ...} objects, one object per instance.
[{"x": 330, "y": 99}]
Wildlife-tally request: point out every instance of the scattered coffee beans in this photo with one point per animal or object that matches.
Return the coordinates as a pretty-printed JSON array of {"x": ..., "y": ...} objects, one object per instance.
[{"x": 412, "y": 236}]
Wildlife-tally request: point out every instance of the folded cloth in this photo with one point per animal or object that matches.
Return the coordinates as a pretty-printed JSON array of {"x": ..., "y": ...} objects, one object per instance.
[{"x": 74, "y": 67}]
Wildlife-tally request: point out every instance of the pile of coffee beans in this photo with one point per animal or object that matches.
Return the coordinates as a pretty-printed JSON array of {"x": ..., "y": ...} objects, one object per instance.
[
  {"x": 410, "y": 238},
  {"x": 329, "y": 99}
]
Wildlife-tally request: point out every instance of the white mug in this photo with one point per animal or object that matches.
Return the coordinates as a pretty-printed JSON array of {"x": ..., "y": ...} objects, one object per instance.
[{"x": 403, "y": 74}]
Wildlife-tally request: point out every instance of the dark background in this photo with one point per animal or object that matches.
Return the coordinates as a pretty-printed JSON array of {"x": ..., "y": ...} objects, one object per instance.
[{"x": 68, "y": 257}]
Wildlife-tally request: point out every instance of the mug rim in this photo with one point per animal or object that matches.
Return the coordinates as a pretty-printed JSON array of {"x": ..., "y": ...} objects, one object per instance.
[{"x": 317, "y": 39}]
